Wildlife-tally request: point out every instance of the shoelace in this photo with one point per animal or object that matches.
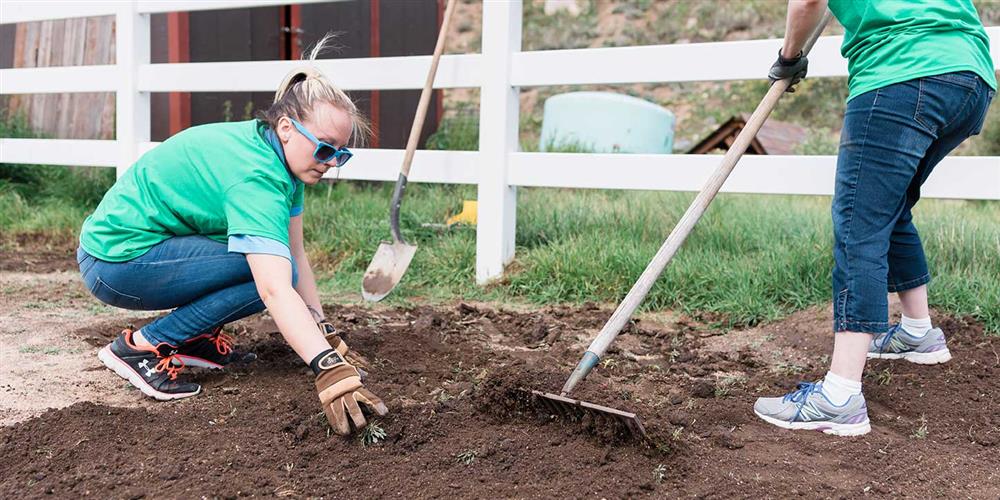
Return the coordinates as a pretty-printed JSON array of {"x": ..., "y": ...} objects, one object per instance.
[
  {"x": 803, "y": 390},
  {"x": 166, "y": 364},
  {"x": 223, "y": 343},
  {"x": 888, "y": 337}
]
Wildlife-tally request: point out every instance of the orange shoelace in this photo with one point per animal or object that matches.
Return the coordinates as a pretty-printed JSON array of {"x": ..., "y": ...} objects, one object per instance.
[
  {"x": 166, "y": 364},
  {"x": 223, "y": 343}
]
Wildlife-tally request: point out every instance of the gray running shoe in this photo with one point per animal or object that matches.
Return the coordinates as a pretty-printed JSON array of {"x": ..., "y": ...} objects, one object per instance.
[
  {"x": 898, "y": 344},
  {"x": 807, "y": 408}
]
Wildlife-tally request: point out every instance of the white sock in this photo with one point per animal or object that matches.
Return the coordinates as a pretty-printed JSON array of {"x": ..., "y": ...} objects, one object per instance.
[
  {"x": 839, "y": 389},
  {"x": 916, "y": 327},
  {"x": 139, "y": 339}
]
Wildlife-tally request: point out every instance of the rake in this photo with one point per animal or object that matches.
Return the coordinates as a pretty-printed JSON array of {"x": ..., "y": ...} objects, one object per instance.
[{"x": 563, "y": 406}]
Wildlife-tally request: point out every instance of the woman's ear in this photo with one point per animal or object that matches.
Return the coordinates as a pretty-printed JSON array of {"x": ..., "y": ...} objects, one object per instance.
[{"x": 284, "y": 129}]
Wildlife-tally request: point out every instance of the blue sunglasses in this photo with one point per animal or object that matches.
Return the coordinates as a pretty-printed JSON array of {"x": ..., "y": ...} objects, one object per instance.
[{"x": 324, "y": 152}]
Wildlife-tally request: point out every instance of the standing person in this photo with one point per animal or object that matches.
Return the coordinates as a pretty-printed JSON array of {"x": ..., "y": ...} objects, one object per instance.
[
  {"x": 209, "y": 223},
  {"x": 921, "y": 80}
]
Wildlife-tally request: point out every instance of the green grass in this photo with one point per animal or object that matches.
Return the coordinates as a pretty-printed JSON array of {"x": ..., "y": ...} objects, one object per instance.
[{"x": 750, "y": 259}]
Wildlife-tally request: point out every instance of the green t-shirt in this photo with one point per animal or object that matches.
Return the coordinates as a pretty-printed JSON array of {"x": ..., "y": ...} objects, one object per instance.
[
  {"x": 214, "y": 180},
  {"x": 892, "y": 41}
]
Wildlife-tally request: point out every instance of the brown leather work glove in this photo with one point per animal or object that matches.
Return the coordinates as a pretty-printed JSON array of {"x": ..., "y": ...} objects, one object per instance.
[
  {"x": 341, "y": 347},
  {"x": 340, "y": 392}
]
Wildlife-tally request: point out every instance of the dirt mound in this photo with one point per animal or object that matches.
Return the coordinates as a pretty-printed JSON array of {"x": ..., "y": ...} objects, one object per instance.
[{"x": 460, "y": 425}]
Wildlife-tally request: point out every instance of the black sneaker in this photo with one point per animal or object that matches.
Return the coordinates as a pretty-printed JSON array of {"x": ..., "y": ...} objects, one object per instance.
[
  {"x": 213, "y": 350},
  {"x": 149, "y": 370}
]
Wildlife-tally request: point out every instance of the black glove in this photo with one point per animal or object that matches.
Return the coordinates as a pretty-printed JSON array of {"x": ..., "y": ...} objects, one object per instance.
[{"x": 794, "y": 68}]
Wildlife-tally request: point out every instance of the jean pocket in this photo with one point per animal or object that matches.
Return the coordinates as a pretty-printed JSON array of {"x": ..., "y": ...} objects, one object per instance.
[
  {"x": 943, "y": 101},
  {"x": 105, "y": 293}
]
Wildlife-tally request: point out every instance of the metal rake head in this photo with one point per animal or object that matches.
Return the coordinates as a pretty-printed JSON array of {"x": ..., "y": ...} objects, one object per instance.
[{"x": 576, "y": 410}]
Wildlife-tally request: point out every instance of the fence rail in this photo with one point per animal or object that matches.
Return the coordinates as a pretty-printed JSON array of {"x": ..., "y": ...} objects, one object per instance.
[{"x": 498, "y": 71}]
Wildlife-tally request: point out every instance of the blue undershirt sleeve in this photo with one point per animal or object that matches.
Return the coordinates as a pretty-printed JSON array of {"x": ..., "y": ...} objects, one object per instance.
[{"x": 245, "y": 244}]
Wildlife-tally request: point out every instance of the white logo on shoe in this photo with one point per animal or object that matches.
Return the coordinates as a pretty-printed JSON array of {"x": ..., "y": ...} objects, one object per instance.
[{"x": 149, "y": 370}]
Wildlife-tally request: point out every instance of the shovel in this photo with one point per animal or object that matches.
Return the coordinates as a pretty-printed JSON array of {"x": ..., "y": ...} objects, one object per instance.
[
  {"x": 561, "y": 404},
  {"x": 393, "y": 258}
]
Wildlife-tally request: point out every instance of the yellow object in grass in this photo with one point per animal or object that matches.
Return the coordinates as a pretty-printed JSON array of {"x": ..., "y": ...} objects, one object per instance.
[{"x": 467, "y": 215}]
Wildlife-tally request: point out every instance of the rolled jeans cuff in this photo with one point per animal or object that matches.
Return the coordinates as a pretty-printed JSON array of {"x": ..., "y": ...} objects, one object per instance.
[
  {"x": 846, "y": 325},
  {"x": 909, "y": 284}
]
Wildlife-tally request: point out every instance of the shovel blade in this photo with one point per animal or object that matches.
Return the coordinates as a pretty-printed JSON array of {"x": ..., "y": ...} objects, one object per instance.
[
  {"x": 575, "y": 410},
  {"x": 386, "y": 269}
]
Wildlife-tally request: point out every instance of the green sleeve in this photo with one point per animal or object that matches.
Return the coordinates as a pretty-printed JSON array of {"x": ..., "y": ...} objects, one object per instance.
[{"x": 257, "y": 206}]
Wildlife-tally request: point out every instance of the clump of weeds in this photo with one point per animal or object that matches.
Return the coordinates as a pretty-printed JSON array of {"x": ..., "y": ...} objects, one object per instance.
[
  {"x": 373, "y": 433},
  {"x": 921, "y": 431},
  {"x": 466, "y": 457}
]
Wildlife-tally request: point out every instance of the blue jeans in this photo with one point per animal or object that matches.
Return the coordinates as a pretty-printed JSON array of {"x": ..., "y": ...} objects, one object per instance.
[
  {"x": 208, "y": 286},
  {"x": 891, "y": 141}
]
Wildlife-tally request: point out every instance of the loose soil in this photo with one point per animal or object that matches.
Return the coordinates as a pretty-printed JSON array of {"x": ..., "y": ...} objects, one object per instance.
[{"x": 453, "y": 379}]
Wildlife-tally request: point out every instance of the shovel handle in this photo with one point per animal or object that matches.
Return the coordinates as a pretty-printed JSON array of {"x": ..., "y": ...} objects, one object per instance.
[
  {"x": 418, "y": 126},
  {"x": 694, "y": 212},
  {"x": 425, "y": 94}
]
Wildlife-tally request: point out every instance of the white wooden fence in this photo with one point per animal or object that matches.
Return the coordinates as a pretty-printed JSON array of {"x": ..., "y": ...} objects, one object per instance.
[{"x": 499, "y": 71}]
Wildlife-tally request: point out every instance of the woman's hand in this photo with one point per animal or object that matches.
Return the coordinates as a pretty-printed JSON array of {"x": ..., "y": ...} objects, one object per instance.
[{"x": 341, "y": 394}]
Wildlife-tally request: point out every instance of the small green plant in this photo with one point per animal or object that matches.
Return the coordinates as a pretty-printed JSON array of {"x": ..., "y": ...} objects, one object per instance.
[
  {"x": 884, "y": 377},
  {"x": 443, "y": 396},
  {"x": 664, "y": 448},
  {"x": 609, "y": 363},
  {"x": 674, "y": 354},
  {"x": 726, "y": 384},
  {"x": 466, "y": 457},
  {"x": 373, "y": 433},
  {"x": 659, "y": 473},
  {"x": 38, "y": 349},
  {"x": 921, "y": 431},
  {"x": 783, "y": 368}
]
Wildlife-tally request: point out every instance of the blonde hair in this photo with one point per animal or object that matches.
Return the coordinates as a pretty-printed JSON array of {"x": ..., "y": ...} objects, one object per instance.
[{"x": 306, "y": 86}]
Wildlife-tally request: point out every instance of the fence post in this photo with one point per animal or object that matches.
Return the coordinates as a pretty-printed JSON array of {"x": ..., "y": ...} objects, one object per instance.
[
  {"x": 498, "y": 137},
  {"x": 132, "y": 122}
]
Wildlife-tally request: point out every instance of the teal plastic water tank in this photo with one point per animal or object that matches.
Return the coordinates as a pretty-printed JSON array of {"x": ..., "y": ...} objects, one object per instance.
[{"x": 605, "y": 122}]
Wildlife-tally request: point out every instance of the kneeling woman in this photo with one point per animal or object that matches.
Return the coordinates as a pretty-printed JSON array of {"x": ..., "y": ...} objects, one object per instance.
[{"x": 209, "y": 223}]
